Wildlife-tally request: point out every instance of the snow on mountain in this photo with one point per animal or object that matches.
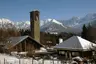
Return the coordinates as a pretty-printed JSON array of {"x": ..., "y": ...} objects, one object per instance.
[
  {"x": 23, "y": 25},
  {"x": 6, "y": 23},
  {"x": 52, "y": 26},
  {"x": 52, "y": 21},
  {"x": 5, "y": 20},
  {"x": 79, "y": 22},
  {"x": 76, "y": 23},
  {"x": 48, "y": 25},
  {"x": 87, "y": 19},
  {"x": 71, "y": 22}
]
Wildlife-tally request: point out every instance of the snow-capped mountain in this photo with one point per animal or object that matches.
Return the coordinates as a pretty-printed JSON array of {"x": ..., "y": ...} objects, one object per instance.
[
  {"x": 50, "y": 21},
  {"x": 52, "y": 25},
  {"x": 23, "y": 25},
  {"x": 6, "y": 23},
  {"x": 87, "y": 19},
  {"x": 71, "y": 22},
  {"x": 75, "y": 24},
  {"x": 79, "y": 22}
]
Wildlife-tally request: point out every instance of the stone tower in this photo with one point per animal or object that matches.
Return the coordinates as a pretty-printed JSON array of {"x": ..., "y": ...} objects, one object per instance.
[{"x": 35, "y": 25}]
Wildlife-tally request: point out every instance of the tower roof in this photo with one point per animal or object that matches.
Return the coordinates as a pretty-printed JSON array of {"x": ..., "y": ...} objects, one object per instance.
[{"x": 35, "y": 10}]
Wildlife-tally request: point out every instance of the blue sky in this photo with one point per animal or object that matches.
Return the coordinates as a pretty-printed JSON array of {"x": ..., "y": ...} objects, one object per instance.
[{"x": 18, "y": 10}]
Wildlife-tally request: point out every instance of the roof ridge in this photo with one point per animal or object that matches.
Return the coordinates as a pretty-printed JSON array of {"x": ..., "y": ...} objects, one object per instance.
[{"x": 78, "y": 37}]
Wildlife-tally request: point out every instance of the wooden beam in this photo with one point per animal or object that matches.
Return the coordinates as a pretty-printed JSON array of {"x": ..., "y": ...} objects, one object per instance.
[
  {"x": 25, "y": 46},
  {"x": 16, "y": 49},
  {"x": 20, "y": 47}
]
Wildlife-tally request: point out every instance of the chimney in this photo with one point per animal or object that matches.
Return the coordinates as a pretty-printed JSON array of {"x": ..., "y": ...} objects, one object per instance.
[
  {"x": 60, "y": 40},
  {"x": 35, "y": 25}
]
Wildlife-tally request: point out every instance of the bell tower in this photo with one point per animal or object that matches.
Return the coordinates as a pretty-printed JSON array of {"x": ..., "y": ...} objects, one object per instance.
[{"x": 35, "y": 25}]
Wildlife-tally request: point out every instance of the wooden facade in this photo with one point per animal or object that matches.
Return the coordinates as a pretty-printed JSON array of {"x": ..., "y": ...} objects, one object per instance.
[
  {"x": 48, "y": 40},
  {"x": 26, "y": 44}
]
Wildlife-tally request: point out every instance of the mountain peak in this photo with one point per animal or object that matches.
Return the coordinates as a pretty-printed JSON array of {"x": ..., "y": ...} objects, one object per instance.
[
  {"x": 75, "y": 18},
  {"x": 91, "y": 15},
  {"x": 6, "y": 23},
  {"x": 49, "y": 19},
  {"x": 52, "y": 24},
  {"x": 55, "y": 21},
  {"x": 3, "y": 20}
]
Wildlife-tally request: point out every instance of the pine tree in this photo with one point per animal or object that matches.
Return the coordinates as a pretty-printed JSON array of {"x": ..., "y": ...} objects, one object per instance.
[{"x": 84, "y": 31}]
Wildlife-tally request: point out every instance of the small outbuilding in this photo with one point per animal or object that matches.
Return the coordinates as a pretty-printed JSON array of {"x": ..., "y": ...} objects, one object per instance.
[{"x": 75, "y": 46}]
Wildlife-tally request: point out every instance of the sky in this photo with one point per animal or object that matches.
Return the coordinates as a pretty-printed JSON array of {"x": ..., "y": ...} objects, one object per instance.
[{"x": 19, "y": 10}]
